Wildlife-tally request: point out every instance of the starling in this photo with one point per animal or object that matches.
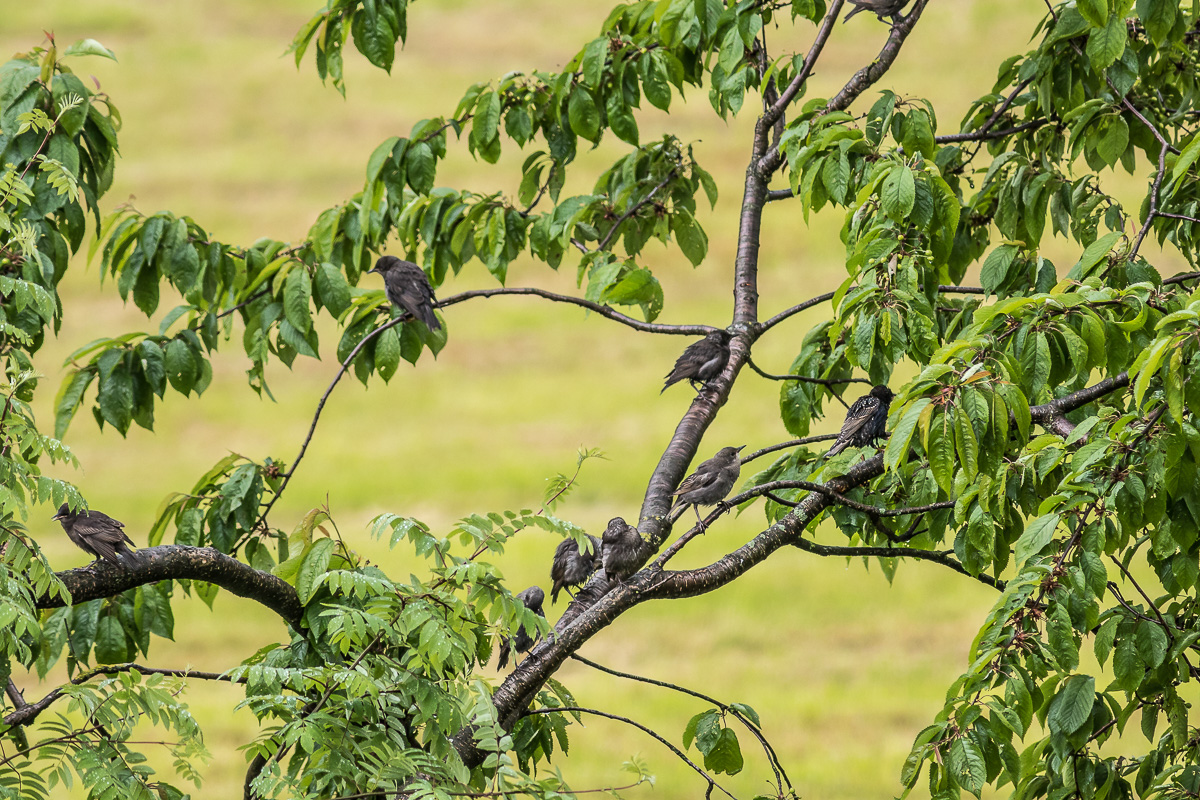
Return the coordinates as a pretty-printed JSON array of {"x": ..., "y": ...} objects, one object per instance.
[
  {"x": 96, "y": 534},
  {"x": 620, "y": 550},
  {"x": 572, "y": 567},
  {"x": 533, "y": 597},
  {"x": 881, "y": 8},
  {"x": 408, "y": 288},
  {"x": 711, "y": 481},
  {"x": 701, "y": 361},
  {"x": 866, "y": 420}
]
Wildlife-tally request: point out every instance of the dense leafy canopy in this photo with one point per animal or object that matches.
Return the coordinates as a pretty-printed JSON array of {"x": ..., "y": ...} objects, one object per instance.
[{"x": 1043, "y": 439}]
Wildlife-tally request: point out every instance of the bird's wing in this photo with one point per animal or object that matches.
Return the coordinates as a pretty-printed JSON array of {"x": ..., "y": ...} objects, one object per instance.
[{"x": 860, "y": 414}]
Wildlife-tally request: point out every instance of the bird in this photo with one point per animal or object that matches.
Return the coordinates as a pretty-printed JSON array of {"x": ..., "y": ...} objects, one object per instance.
[
  {"x": 571, "y": 566},
  {"x": 881, "y": 8},
  {"x": 711, "y": 481},
  {"x": 408, "y": 288},
  {"x": 701, "y": 361},
  {"x": 96, "y": 534},
  {"x": 620, "y": 550},
  {"x": 866, "y": 421},
  {"x": 521, "y": 641}
]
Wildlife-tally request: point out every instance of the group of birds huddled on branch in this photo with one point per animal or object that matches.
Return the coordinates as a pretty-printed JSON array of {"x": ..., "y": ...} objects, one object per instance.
[{"x": 619, "y": 552}]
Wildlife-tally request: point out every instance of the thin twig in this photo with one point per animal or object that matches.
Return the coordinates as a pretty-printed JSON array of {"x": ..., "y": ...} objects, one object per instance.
[
  {"x": 712, "y": 784},
  {"x": 806, "y": 379},
  {"x": 602, "y": 310},
  {"x": 312, "y": 429},
  {"x": 824, "y": 437},
  {"x": 781, "y": 776},
  {"x": 640, "y": 204},
  {"x": 942, "y": 558}
]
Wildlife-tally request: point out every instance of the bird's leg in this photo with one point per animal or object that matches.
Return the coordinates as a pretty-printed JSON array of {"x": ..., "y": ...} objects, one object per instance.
[{"x": 701, "y": 524}]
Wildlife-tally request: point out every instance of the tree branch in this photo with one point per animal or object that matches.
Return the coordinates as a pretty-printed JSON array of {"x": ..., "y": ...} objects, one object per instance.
[
  {"x": 175, "y": 562},
  {"x": 796, "y": 309},
  {"x": 1051, "y": 415},
  {"x": 602, "y": 310},
  {"x": 26, "y": 714},
  {"x": 945, "y": 559},
  {"x": 775, "y": 112}
]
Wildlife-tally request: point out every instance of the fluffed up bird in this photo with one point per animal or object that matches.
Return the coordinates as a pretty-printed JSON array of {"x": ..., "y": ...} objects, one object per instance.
[
  {"x": 711, "y": 481},
  {"x": 701, "y": 361},
  {"x": 570, "y": 566},
  {"x": 881, "y": 8},
  {"x": 620, "y": 550},
  {"x": 96, "y": 534},
  {"x": 866, "y": 421},
  {"x": 408, "y": 288},
  {"x": 522, "y": 640}
]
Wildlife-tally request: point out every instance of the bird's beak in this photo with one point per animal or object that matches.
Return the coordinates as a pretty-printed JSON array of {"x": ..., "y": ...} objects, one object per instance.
[
  {"x": 56, "y": 517},
  {"x": 740, "y": 449}
]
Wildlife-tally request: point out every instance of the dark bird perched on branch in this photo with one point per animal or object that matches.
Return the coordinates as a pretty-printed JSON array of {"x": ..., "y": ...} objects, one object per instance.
[
  {"x": 881, "y": 8},
  {"x": 408, "y": 288},
  {"x": 570, "y": 566},
  {"x": 620, "y": 550},
  {"x": 711, "y": 481},
  {"x": 701, "y": 361},
  {"x": 866, "y": 421},
  {"x": 96, "y": 534},
  {"x": 522, "y": 640}
]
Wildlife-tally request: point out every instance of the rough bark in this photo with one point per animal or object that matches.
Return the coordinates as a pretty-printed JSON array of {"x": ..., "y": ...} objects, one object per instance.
[{"x": 178, "y": 562}]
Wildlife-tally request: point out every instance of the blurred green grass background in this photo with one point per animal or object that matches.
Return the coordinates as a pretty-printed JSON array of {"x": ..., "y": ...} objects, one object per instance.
[{"x": 220, "y": 125}]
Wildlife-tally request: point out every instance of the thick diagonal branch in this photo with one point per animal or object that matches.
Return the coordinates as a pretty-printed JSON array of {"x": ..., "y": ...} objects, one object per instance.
[{"x": 177, "y": 562}]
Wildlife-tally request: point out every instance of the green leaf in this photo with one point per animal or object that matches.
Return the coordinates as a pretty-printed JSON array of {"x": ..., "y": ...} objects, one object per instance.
[
  {"x": 1159, "y": 17},
  {"x": 387, "y": 354},
  {"x": 995, "y": 268},
  {"x": 725, "y": 754},
  {"x": 297, "y": 291},
  {"x": 111, "y": 645},
  {"x": 899, "y": 193},
  {"x": 1072, "y": 706},
  {"x": 1036, "y": 536},
  {"x": 313, "y": 566},
  {"x": 89, "y": 47},
  {"x": 941, "y": 450},
  {"x": 592, "y": 64},
  {"x": 182, "y": 368},
  {"x": 690, "y": 236},
  {"x": 582, "y": 112},
  {"x": 897, "y": 446},
  {"x": 1094, "y": 11},
  {"x": 1105, "y": 45}
]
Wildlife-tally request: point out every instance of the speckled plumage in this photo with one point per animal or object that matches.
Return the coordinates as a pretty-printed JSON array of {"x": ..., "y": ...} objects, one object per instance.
[
  {"x": 408, "y": 289},
  {"x": 711, "y": 481},
  {"x": 701, "y": 361},
  {"x": 866, "y": 421},
  {"x": 95, "y": 533}
]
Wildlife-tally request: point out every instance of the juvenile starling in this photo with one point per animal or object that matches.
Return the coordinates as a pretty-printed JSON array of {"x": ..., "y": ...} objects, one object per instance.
[
  {"x": 620, "y": 550},
  {"x": 571, "y": 567},
  {"x": 881, "y": 8},
  {"x": 533, "y": 597},
  {"x": 701, "y": 361},
  {"x": 96, "y": 534},
  {"x": 866, "y": 421},
  {"x": 408, "y": 288},
  {"x": 711, "y": 481}
]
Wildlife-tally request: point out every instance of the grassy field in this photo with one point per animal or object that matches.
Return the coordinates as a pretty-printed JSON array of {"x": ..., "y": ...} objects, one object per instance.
[{"x": 220, "y": 125}]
